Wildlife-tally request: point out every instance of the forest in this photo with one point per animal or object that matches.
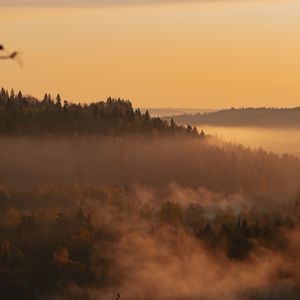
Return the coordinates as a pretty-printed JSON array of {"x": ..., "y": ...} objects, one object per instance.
[
  {"x": 254, "y": 117},
  {"x": 21, "y": 115},
  {"x": 81, "y": 242},
  {"x": 100, "y": 202},
  {"x": 171, "y": 217}
]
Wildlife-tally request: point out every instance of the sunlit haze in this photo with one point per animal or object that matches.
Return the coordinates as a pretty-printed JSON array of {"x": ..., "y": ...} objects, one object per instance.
[{"x": 196, "y": 54}]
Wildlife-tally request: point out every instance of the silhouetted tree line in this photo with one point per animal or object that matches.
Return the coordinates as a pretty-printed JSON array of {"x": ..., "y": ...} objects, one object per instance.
[{"x": 21, "y": 114}]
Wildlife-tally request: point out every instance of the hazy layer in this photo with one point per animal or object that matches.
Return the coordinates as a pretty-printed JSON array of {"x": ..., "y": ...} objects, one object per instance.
[
  {"x": 149, "y": 218},
  {"x": 143, "y": 251},
  {"x": 276, "y": 140},
  {"x": 154, "y": 161}
]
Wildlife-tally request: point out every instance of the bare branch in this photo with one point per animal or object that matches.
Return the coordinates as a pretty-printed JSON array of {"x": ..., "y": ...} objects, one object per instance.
[{"x": 11, "y": 55}]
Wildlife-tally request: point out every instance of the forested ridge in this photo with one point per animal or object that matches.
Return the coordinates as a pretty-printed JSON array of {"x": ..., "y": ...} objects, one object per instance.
[
  {"x": 26, "y": 115},
  {"x": 261, "y": 117}
]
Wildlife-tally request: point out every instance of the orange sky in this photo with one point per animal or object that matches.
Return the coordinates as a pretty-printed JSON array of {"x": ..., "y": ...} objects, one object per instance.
[{"x": 202, "y": 54}]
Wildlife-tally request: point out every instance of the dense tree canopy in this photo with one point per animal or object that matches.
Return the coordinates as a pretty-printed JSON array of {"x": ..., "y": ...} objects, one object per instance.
[
  {"x": 51, "y": 239},
  {"x": 21, "y": 114}
]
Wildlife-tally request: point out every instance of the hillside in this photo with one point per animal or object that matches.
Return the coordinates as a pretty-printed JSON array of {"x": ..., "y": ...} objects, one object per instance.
[{"x": 260, "y": 117}]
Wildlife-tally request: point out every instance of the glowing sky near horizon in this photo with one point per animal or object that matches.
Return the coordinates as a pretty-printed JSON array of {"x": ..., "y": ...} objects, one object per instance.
[{"x": 196, "y": 54}]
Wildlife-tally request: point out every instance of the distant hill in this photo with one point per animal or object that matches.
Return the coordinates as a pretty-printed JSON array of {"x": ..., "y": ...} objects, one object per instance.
[
  {"x": 169, "y": 111},
  {"x": 260, "y": 117}
]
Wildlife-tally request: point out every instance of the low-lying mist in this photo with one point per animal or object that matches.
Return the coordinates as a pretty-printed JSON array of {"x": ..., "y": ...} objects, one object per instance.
[
  {"x": 147, "y": 218},
  {"x": 279, "y": 140},
  {"x": 79, "y": 242},
  {"x": 193, "y": 162}
]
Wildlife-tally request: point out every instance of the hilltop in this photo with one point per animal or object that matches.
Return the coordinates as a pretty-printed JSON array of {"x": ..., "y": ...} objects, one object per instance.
[{"x": 260, "y": 117}]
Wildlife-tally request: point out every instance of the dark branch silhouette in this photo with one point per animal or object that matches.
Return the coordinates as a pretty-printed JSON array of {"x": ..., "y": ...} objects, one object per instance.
[{"x": 10, "y": 55}]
